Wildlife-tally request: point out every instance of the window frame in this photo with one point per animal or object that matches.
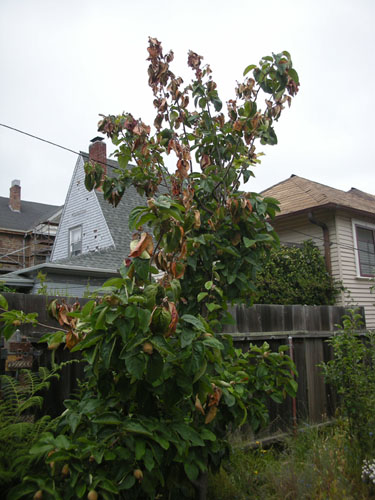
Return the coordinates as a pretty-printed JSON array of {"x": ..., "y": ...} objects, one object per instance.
[
  {"x": 71, "y": 229},
  {"x": 369, "y": 227}
]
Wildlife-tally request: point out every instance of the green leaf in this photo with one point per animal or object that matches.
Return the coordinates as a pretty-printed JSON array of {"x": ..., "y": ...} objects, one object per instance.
[
  {"x": 229, "y": 399},
  {"x": 108, "y": 485},
  {"x": 188, "y": 433},
  {"x": 135, "y": 215},
  {"x": 200, "y": 372},
  {"x": 208, "y": 285},
  {"x": 140, "y": 449},
  {"x": 214, "y": 343},
  {"x": 191, "y": 470},
  {"x": 80, "y": 489},
  {"x": 142, "y": 267},
  {"x": 100, "y": 322},
  {"x": 136, "y": 365},
  {"x": 277, "y": 397},
  {"x": 154, "y": 366},
  {"x": 188, "y": 318},
  {"x": 186, "y": 337},
  {"x": 116, "y": 282},
  {"x": 128, "y": 482},
  {"x": 217, "y": 103},
  {"x": 264, "y": 237},
  {"x": 201, "y": 296},
  {"x": 107, "y": 419},
  {"x": 3, "y": 302},
  {"x": 248, "y": 243},
  {"x": 249, "y": 68},
  {"x": 207, "y": 435},
  {"x": 213, "y": 307},
  {"x": 293, "y": 75},
  {"x": 91, "y": 339},
  {"x": 20, "y": 491}
]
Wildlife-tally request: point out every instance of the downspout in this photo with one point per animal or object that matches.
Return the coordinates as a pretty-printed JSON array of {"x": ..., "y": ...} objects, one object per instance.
[{"x": 326, "y": 239}]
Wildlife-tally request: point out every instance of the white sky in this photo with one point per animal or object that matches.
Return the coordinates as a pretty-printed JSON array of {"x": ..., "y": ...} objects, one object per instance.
[{"x": 64, "y": 62}]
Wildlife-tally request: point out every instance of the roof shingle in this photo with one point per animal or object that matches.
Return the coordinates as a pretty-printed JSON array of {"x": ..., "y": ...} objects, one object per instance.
[{"x": 297, "y": 194}]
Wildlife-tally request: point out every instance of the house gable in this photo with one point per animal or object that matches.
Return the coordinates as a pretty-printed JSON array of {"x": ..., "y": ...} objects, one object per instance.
[{"x": 82, "y": 209}]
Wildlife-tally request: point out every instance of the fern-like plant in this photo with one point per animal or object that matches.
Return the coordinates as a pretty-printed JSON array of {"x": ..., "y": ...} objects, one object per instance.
[{"x": 19, "y": 427}]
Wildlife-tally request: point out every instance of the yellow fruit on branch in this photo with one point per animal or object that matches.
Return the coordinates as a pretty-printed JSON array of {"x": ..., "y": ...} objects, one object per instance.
[
  {"x": 138, "y": 474},
  {"x": 92, "y": 495},
  {"x": 148, "y": 348},
  {"x": 65, "y": 470}
]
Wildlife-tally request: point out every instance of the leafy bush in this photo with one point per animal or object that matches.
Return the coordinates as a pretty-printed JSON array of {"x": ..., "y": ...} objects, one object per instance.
[
  {"x": 352, "y": 374},
  {"x": 296, "y": 275},
  {"x": 312, "y": 465},
  {"x": 164, "y": 388}
]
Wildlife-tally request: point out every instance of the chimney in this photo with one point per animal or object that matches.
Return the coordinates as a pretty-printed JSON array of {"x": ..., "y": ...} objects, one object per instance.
[
  {"x": 98, "y": 152},
  {"x": 15, "y": 196}
]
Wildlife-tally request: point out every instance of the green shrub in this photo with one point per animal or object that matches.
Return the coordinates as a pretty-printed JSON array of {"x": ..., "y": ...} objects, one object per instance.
[
  {"x": 351, "y": 373},
  {"x": 296, "y": 275},
  {"x": 311, "y": 466}
]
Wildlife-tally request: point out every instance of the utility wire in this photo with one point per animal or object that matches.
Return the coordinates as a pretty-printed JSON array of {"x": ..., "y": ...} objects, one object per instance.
[
  {"x": 343, "y": 245},
  {"x": 49, "y": 142}
]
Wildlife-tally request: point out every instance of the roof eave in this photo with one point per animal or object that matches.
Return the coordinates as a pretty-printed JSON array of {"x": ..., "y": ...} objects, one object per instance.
[{"x": 328, "y": 206}]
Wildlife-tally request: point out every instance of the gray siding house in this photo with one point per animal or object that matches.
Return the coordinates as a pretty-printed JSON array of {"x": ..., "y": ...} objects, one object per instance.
[
  {"x": 341, "y": 224},
  {"x": 92, "y": 239}
]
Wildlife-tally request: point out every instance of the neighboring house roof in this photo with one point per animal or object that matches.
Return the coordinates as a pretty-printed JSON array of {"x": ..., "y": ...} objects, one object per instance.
[
  {"x": 297, "y": 194},
  {"x": 30, "y": 215},
  {"x": 59, "y": 269}
]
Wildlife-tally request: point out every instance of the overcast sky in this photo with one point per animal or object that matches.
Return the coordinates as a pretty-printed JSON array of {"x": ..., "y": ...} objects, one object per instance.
[{"x": 64, "y": 62}]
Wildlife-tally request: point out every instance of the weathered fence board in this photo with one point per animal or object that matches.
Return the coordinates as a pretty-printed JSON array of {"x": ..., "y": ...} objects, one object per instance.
[{"x": 307, "y": 326}]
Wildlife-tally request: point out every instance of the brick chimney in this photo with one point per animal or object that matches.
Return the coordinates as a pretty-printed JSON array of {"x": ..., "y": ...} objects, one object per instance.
[
  {"x": 15, "y": 196},
  {"x": 98, "y": 152}
]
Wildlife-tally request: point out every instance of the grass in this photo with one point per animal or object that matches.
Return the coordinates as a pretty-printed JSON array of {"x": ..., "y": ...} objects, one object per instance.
[{"x": 316, "y": 465}]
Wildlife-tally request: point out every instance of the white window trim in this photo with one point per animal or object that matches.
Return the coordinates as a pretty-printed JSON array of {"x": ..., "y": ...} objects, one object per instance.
[
  {"x": 79, "y": 226},
  {"x": 365, "y": 225}
]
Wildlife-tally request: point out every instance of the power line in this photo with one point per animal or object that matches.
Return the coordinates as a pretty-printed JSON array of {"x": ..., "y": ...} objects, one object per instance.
[
  {"x": 348, "y": 247},
  {"x": 342, "y": 245},
  {"x": 49, "y": 142}
]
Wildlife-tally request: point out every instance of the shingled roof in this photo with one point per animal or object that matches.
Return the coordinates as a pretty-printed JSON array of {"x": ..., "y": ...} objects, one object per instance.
[
  {"x": 297, "y": 194},
  {"x": 30, "y": 215}
]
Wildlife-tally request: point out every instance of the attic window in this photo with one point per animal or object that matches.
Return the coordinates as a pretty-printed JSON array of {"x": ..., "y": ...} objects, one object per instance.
[
  {"x": 365, "y": 237},
  {"x": 75, "y": 241}
]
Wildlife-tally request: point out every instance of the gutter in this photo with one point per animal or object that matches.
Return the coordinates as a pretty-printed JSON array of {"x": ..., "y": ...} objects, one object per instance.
[{"x": 326, "y": 239}]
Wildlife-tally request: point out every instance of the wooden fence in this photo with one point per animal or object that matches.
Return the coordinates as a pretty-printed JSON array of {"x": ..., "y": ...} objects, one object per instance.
[{"x": 304, "y": 328}]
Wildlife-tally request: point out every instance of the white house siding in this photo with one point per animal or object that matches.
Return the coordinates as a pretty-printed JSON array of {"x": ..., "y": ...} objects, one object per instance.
[
  {"x": 81, "y": 208},
  {"x": 360, "y": 293},
  {"x": 298, "y": 228}
]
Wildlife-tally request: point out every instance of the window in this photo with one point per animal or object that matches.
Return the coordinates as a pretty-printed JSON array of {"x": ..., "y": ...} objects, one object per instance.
[
  {"x": 365, "y": 237},
  {"x": 75, "y": 241}
]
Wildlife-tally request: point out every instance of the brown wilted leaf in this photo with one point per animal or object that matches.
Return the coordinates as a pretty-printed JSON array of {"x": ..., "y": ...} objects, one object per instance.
[
  {"x": 72, "y": 339},
  {"x": 177, "y": 269},
  {"x": 144, "y": 244},
  {"x": 238, "y": 125},
  {"x": 211, "y": 414},
  {"x": 197, "y": 219},
  {"x": 214, "y": 399},
  {"x": 198, "y": 405},
  {"x": 183, "y": 168},
  {"x": 205, "y": 161},
  {"x": 183, "y": 251},
  {"x": 174, "y": 314}
]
